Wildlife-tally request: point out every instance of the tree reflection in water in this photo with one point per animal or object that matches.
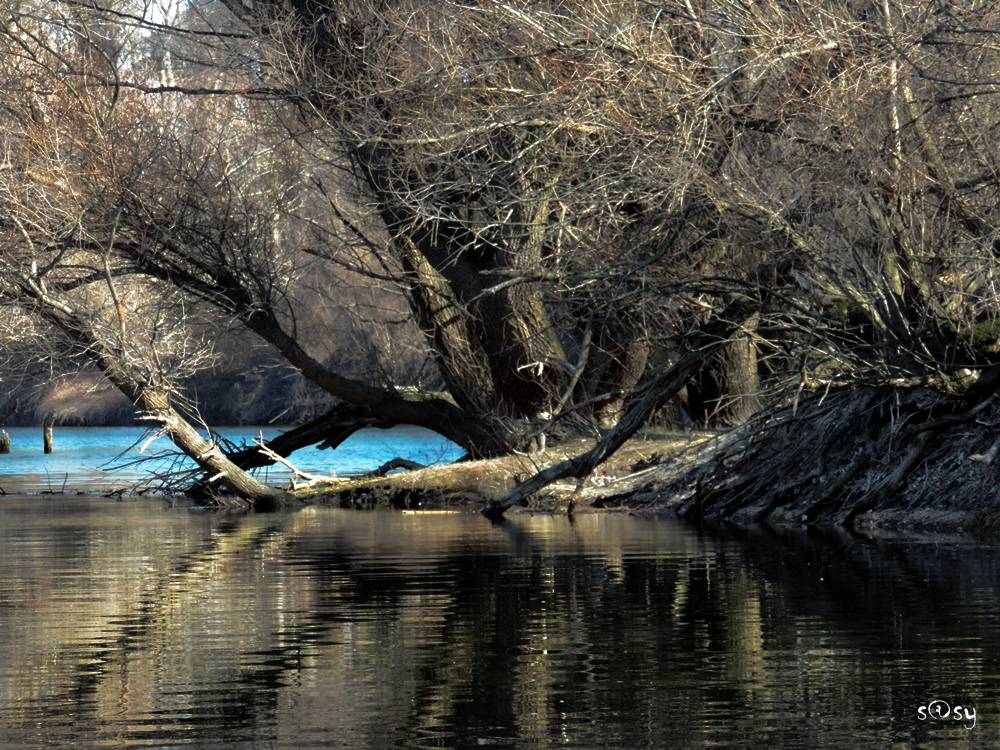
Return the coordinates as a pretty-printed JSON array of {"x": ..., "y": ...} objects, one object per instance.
[{"x": 129, "y": 623}]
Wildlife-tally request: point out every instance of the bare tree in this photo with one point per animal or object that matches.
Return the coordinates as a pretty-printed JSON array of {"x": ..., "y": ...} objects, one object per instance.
[
  {"x": 75, "y": 150},
  {"x": 567, "y": 195},
  {"x": 495, "y": 152}
]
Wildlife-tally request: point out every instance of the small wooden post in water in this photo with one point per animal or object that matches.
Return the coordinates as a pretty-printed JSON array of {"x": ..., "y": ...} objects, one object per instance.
[{"x": 50, "y": 419}]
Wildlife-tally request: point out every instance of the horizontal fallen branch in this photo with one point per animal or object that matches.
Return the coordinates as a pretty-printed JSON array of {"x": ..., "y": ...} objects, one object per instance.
[
  {"x": 396, "y": 463},
  {"x": 329, "y": 431}
]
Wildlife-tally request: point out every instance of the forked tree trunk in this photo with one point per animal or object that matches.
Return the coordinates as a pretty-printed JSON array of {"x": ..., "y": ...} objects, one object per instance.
[{"x": 488, "y": 330}]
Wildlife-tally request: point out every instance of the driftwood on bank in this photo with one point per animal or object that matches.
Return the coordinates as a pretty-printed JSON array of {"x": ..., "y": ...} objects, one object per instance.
[
  {"x": 307, "y": 480},
  {"x": 302, "y": 479},
  {"x": 329, "y": 431}
]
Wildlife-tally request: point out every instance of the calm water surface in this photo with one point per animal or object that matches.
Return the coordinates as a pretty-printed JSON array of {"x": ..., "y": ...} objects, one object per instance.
[{"x": 134, "y": 624}]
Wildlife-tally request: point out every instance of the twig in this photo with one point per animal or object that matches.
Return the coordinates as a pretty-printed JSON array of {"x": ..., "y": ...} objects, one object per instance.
[{"x": 310, "y": 479}]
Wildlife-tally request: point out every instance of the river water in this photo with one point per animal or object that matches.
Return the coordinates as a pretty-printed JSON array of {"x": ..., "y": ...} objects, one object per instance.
[
  {"x": 136, "y": 623},
  {"x": 121, "y": 458}
]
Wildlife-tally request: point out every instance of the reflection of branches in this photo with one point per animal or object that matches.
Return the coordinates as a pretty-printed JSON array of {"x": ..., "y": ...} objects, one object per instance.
[{"x": 179, "y": 581}]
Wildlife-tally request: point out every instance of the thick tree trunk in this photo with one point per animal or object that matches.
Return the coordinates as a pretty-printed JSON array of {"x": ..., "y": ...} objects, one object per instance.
[
  {"x": 449, "y": 329},
  {"x": 471, "y": 293},
  {"x": 727, "y": 390},
  {"x": 50, "y": 420},
  {"x": 223, "y": 475},
  {"x": 616, "y": 367}
]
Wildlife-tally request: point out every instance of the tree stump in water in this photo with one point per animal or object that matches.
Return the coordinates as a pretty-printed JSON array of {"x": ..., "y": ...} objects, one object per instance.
[
  {"x": 47, "y": 431},
  {"x": 4, "y": 437}
]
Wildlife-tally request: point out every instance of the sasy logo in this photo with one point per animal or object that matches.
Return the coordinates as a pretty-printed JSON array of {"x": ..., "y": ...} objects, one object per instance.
[{"x": 939, "y": 710}]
